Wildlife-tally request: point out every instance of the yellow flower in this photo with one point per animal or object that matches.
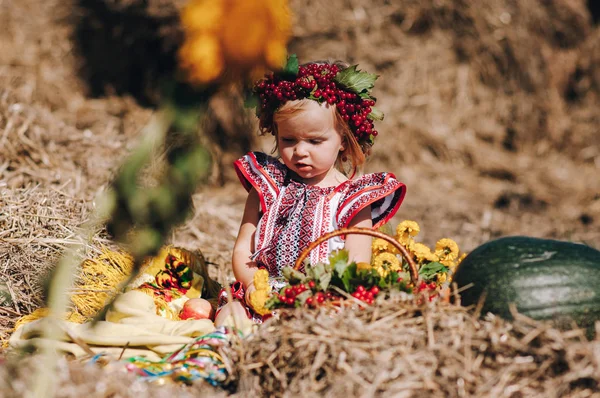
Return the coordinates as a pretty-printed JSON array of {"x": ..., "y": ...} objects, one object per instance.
[
  {"x": 386, "y": 262},
  {"x": 441, "y": 278},
  {"x": 261, "y": 280},
  {"x": 258, "y": 298},
  {"x": 233, "y": 38},
  {"x": 379, "y": 246},
  {"x": 461, "y": 258},
  {"x": 448, "y": 263},
  {"x": 446, "y": 249},
  {"x": 422, "y": 252},
  {"x": 363, "y": 266},
  {"x": 407, "y": 230}
]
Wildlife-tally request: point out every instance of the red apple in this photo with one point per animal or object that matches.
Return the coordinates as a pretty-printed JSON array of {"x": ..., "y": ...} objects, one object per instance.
[{"x": 196, "y": 308}]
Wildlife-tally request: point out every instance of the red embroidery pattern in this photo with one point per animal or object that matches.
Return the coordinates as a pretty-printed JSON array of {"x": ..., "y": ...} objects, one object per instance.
[{"x": 295, "y": 214}]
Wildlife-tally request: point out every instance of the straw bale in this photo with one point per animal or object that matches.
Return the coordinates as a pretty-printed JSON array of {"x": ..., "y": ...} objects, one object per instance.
[
  {"x": 37, "y": 225},
  {"x": 398, "y": 349}
]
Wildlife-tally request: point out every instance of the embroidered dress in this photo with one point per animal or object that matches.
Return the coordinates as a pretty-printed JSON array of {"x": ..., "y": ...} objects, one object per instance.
[{"x": 294, "y": 214}]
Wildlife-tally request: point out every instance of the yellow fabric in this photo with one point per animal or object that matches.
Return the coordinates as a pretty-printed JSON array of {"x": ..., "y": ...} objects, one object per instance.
[{"x": 131, "y": 322}]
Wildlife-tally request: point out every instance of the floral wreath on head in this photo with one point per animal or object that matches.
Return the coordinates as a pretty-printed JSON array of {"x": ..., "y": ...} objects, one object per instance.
[{"x": 348, "y": 88}]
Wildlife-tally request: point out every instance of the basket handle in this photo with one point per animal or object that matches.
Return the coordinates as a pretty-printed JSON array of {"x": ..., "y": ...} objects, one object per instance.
[{"x": 414, "y": 274}]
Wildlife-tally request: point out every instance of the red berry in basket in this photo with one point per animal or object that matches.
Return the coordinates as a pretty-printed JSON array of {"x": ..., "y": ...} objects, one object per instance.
[
  {"x": 290, "y": 301},
  {"x": 311, "y": 284},
  {"x": 302, "y": 287},
  {"x": 356, "y": 295},
  {"x": 369, "y": 296},
  {"x": 310, "y": 301},
  {"x": 375, "y": 290},
  {"x": 281, "y": 298},
  {"x": 329, "y": 295},
  {"x": 432, "y": 285},
  {"x": 320, "y": 297},
  {"x": 289, "y": 292},
  {"x": 360, "y": 288},
  {"x": 369, "y": 301}
]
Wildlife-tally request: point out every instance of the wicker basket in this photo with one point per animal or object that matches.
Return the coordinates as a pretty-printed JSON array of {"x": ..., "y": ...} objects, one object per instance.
[{"x": 413, "y": 270}]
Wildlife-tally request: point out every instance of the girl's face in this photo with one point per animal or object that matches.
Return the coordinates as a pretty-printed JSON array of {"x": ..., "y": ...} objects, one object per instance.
[{"x": 309, "y": 143}]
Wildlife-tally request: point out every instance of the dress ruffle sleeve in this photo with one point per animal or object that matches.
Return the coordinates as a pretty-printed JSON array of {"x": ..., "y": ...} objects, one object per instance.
[
  {"x": 380, "y": 190},
  {"x": 263, "y": 173}
]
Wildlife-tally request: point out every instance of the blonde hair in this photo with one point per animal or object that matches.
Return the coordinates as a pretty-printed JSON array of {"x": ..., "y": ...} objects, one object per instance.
[{"x": 353, "y": 154}]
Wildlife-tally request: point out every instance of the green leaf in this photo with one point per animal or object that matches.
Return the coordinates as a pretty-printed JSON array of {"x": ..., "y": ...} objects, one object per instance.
[
  {"x": 291, "y": 67},
  {"x": 376, "y": 114},
  {"x": 347, "y": 277},
  {"x": 325, "y": 280},
  {"x": 355, "y": 80},
  {"x": 250, "y": 99},
  {"x": 301, "y": 298},
  {"x": 338, "y": 260},
  {"x": 293, "y": 276},
  {"x": 316, "y": 271},
  {"x": 428, "y": 271}
]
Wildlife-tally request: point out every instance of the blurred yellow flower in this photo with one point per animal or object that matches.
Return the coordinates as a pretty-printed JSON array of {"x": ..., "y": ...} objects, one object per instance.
[
  {"x": 422, "y": 253},
  {"x": 261, "y": 280},
  {"x": 258, "y": 298},
  {"x": 406, "y": 230},
  {"x": 237, "y": 38},
  {"x": 461, "y": 258},
  {"x": 386, "y": 262},
  {"x": 446, "y": 249}
]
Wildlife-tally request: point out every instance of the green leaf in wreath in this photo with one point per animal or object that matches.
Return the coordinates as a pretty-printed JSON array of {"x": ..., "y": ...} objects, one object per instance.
[
  {"x": 291, "y": 67},
  {"x": 355, "y": 80},
  {"x": 376, "y": 114}
]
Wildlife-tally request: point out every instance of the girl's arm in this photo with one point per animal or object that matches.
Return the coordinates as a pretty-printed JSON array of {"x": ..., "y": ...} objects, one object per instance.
[
  {"x": 359, "y": 246},
  {"x": 243, "y": 267}
]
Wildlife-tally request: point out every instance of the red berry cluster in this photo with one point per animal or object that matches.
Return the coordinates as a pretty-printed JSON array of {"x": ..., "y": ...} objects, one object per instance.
[
  {"x": 429, "y": 289},
  {"x": 288, "y": 298},
  {"x": 318, "y": 80},
  {"x": 366, "y": 295}
]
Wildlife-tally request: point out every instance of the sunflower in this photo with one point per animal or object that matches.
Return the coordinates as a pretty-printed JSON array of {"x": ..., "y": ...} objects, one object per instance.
[
  {"x": 233, "y": 38},
  {"x": 386, "y": 262},
  {"x": 446, "y": 249},
  {"x": 407, "y": 230}
]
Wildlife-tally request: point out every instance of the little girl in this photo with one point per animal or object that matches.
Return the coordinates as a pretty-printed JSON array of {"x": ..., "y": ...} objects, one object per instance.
[{"x": 321, "y": 117}]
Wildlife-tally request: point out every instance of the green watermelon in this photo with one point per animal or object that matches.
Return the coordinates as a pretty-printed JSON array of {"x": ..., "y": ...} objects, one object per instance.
[{"x": 545, "y": 279}]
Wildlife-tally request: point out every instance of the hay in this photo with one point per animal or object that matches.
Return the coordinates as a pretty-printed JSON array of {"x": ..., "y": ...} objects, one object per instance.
[
  {"x": 402, "y": 350},
  {"x": 77, "y": 379}
]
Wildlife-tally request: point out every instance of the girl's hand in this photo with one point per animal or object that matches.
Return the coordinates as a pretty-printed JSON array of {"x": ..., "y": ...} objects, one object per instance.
[{"x": 249, "y": 289}]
